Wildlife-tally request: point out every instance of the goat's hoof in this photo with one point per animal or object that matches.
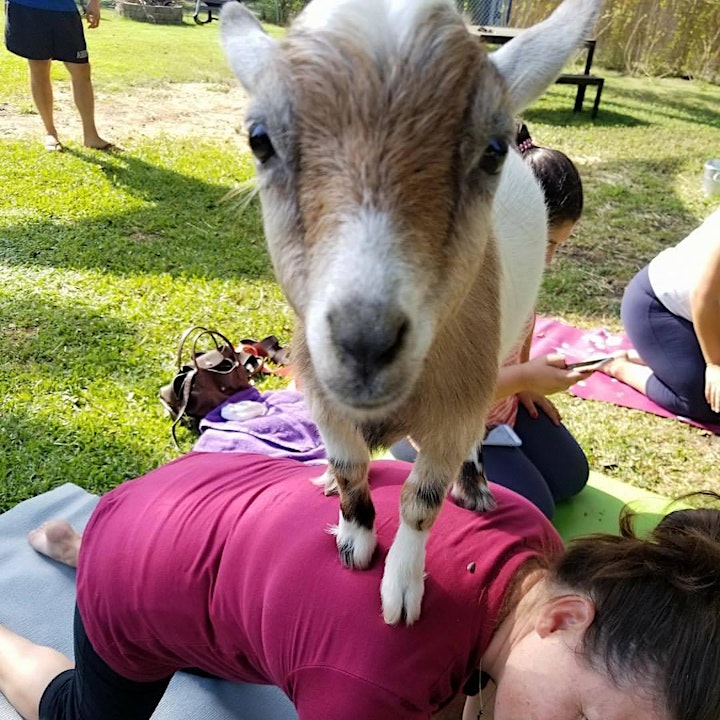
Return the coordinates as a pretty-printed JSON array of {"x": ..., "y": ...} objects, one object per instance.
[
  {"x": 401, "y": 597},
  {"x": 470, "y": 489},
  {"x": 403, "y": 581},
  {"x": 355, "y": 543},
  {"x": 478, "y": 499},
  {"x": 327, "y": 482}
]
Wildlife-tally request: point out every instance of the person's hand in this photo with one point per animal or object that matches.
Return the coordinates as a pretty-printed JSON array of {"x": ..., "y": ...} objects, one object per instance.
[
  {"x": 92, "y": 13},
  {"x": 544, "y": 376},
  {"x": 712, "y": 386},
  {"x": 533, "y": 403},
  {"x": 548, "y": 374}
]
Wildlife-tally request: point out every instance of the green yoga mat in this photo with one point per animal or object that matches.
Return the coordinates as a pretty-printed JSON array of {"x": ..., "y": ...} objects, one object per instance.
[{"x": 597, "y": 508}]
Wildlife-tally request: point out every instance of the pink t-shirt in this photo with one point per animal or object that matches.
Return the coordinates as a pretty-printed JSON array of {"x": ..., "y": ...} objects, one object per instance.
[
  {"x": 223, "y": 562},
  {"x": 504, "y": 411}
]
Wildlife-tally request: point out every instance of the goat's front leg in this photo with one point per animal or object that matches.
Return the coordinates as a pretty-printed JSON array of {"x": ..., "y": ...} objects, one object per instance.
[
  {"x": 470, "y": 489},
  {"x": 422, "y": 497},
  {"x": 348, "y": 461}
]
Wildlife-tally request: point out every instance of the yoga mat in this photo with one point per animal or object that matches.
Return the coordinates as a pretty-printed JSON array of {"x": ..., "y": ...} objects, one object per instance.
[
  {"x": 597, "y": 508},
  {"x": 37, "y": 600},
  {"x": 554, "y": 336}
]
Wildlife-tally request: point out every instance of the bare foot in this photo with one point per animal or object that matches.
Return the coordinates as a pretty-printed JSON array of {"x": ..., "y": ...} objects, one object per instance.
[
  {"x": 58, "y": 540},
  {"x": 611, "y": 368},
  {"x": 622, "y": 358},
  {"x": 634, "y": 357},
  {"x": 97, "y": 143},
  {"x": 52, "y": 144}
]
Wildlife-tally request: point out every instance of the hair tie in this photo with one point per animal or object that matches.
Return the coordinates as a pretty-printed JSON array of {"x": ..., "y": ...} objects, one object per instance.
[{"x": 525, "y": 145}]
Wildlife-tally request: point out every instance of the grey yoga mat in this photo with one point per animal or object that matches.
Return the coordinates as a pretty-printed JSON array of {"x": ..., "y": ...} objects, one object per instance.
[{"x": 37, "y": 599}]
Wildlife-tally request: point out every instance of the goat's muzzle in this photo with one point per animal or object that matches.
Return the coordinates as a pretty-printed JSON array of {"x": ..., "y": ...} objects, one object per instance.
[{"x": 368, "y": 341}]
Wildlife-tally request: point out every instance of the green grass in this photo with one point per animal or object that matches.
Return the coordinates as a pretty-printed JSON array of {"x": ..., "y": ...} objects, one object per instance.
[
  {"x": 105, "y": 259},
  {"x": 126, "y": 54}
]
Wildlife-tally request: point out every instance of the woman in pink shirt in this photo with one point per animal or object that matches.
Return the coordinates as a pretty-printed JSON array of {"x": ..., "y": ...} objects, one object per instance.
[{"x": 220, "y": 562}]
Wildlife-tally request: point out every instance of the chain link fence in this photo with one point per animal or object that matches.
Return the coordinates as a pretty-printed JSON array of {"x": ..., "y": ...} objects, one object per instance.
[
  {"x": 486, "y": 12},
  {"x": 478, "y": 12}
]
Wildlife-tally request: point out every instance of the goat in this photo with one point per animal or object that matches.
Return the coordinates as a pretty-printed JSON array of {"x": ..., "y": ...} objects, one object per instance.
[{"x": 406, "y": 233}]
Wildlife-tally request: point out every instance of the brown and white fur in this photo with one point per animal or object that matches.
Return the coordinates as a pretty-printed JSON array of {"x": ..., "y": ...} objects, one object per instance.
[{"x": 410, "y": 260}]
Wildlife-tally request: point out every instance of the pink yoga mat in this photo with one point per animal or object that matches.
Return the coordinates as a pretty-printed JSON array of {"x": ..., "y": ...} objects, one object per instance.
[{"x": 554, "y": 336}]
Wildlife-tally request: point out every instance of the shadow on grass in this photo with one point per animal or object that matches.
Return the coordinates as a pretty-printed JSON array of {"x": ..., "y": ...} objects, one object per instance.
[
  {"x": 692, "y": 107},
  {"x": 39, "y": 454},
  {"x": 556, "y": 108},
  {"x": 85, "y": 407},
  {"x": 569, "y": 118},
  {"x": 185, "y": 227},
  {"x": 56, "y": 340},
  {"x": 622, "y": 106},
  {"x": 80, "y": 394}
]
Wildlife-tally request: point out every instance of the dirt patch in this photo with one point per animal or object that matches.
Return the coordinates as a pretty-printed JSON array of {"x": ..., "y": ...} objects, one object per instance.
[{"x": 182, "y": 109}]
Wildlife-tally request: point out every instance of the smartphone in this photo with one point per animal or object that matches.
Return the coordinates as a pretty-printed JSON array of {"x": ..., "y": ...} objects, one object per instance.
[
  {"x": 592, "y": 364},
  {"x": 504, "y": 436}
]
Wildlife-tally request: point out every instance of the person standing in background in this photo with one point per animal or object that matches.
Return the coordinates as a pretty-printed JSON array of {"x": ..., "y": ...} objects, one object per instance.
[{"x": 45, "y": 30}]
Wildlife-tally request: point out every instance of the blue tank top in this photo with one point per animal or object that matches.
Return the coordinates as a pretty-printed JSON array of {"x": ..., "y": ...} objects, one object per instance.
[{"x": 60, "y": 5}]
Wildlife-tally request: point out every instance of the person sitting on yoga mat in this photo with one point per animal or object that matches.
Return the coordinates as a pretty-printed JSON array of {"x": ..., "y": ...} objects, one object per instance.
[
  {"x": 217, "y": 562},
  {"x": 549, "y": 466},
  {"x": 671, "y": 313}
]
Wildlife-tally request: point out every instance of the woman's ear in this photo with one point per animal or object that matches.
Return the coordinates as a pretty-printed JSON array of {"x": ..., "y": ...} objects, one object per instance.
[{"x": 572, "y": 613}]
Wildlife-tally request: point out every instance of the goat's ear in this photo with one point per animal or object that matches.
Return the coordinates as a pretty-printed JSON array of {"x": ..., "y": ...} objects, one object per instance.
[
  {"x": 247, "y": 46},
  {"x": 534, "y": 59}
]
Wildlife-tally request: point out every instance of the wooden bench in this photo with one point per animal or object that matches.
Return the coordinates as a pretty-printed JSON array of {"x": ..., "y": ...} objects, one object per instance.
[
  {"x": 499, "y": 35},
  {"x": 583, "y": 81}
]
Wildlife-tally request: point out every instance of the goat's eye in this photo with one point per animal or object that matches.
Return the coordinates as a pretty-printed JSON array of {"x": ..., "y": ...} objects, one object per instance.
[
  {"x": 260, "y": 142},
  {"x": 494, "y": 156}
]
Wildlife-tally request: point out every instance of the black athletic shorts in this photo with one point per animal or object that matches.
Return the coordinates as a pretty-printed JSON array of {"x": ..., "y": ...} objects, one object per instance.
[
  {"x": 94, "y": 690},
  {"x": 45, "y": 34}
]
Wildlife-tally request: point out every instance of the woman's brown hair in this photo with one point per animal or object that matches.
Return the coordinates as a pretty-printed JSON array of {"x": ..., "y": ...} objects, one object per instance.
[
  {"x": 558, "y": 176},
  {"x": 657, "y": 607}
]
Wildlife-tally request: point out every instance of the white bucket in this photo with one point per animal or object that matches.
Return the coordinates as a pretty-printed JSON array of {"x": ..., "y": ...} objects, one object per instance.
[{"x": 711, "y": 177}]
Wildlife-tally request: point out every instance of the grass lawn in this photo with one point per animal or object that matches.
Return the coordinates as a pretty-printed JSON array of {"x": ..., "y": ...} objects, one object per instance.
[{"x": 105, "y": 259}]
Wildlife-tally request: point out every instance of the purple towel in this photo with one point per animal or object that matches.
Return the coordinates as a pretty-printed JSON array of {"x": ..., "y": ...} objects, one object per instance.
[{"x": 284, "y": 429}]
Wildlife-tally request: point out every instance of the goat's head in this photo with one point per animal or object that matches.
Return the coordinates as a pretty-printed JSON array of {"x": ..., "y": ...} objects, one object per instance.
[{"x": 380, "y": 128}]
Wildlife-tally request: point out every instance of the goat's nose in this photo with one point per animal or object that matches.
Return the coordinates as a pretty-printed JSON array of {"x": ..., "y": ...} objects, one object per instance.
[{"x": 369, "y": 334}]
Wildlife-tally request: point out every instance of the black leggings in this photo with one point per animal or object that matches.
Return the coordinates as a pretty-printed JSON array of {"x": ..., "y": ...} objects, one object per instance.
[
  {"x": 94, "y": 691},
  {"x": 669, "y": 346},
  {"x": 549, "y": 467}
]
